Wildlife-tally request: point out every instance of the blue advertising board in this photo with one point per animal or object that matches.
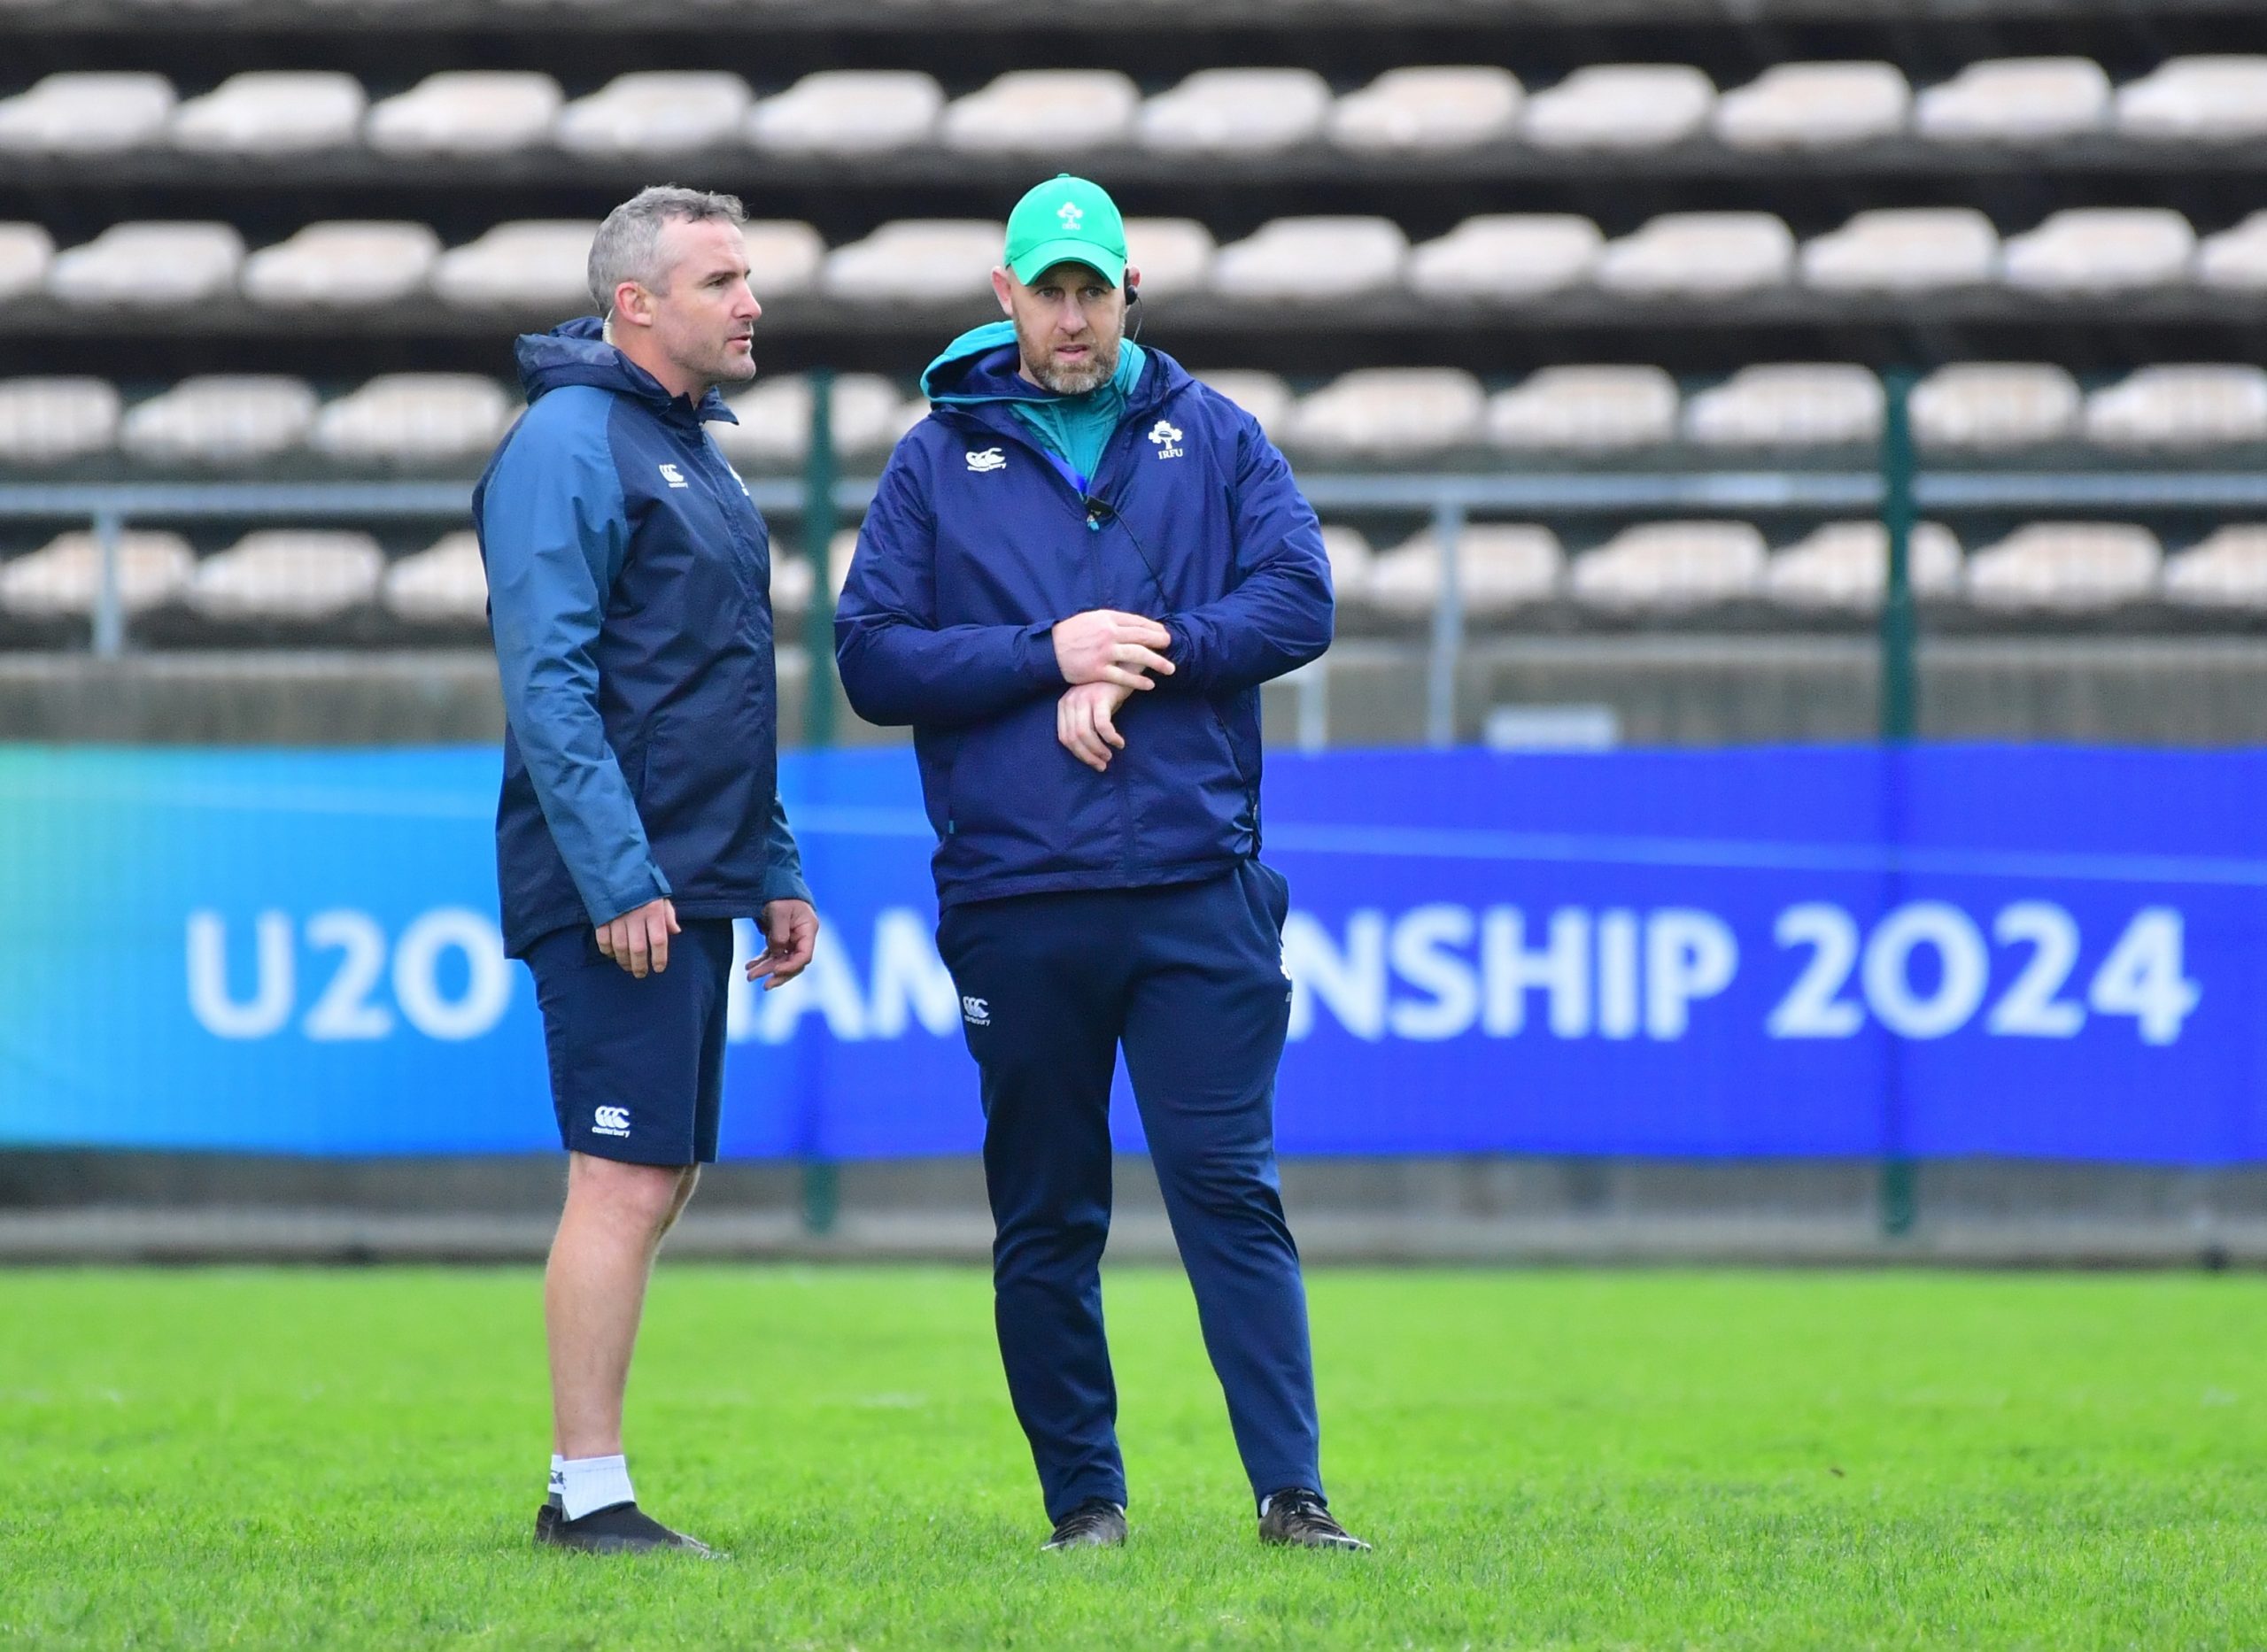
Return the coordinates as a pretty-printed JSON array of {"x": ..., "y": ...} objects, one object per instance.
[{"x": 1930, "y": 952}]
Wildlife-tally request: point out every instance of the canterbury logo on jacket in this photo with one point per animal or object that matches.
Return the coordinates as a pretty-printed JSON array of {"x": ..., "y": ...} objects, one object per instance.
[
  {"x": 979, "y": 541},
  {"x": 629, "y": 581}
]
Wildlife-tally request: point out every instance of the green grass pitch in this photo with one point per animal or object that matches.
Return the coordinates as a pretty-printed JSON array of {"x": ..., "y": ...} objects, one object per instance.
[{"x": 320, "y": 1459}]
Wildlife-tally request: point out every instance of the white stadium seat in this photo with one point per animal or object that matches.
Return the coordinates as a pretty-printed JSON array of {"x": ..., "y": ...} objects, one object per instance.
[
  {"x": 1351, "y": 558},
  {"x": 2016, "y": 100},
  {"x": 1507, "y": 256},
  {"x": 1664, "y": 566},
  {"x": 924, "y": 260},
  {"x": 1814, "y": 106},
  {"x": 2197, "y": 100},
  {"x": 2181, "y": 407},
  {"x": 2227, "y": 569},
  {"x": 342, "y": 266},
  {"x": 48, "y": 420},
  {"x": 528, "y": 267},
  {"x": 775, "y": 419},
  {"x": 266, "y": 111},
  {"x": 415, "y": 418},
  {"x": 1263, "y": 395},
  {"x": 791, "y": 588},
  {"x": 1905, "y": 249},
  {"x": 1390, "y": 412},
  {"x": 2101, "y": 250},
  {"x": 289, "y": 574},
  {"x": 1846, "y": 565},
  {"x": 149, "y": 266},
  {"x": 1619, "y": 107},
  {"x": 1985, "y": 407},
  {"x": 1043, "y": 110},
  {"x": 467, "y": 112},
  {"x": 1173, "y": 254},
  {"x": 2235, "y": 260},
  {"x": 1313, "y": 258},
  {"x": 1787, "y": 404},
  {"x": 1501, "y": 567},
  {"x": 1418, "y": 110},
  {"x": 220, "y": 418},
  {"x": 848, "y": 111},
  {"x": 1237, "y": 112},
  {"x": 784, "y": 256},
  {"x": 1700, "y": 255},
  {"x": 26, "y": 252},
  {"x": 1585, "y": 410},
  {"x": 64, "y": 576},
  {"x": 445, "y": 584},
  {"x": 656, "y": 112},
  {"x": 2068, "y": 567},
  {"x": 99, "y": 113}
]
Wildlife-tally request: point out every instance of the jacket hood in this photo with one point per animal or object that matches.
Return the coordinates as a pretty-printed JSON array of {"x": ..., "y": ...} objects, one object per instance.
[
  {"x": 576, "y": 352},
  {"x": 981, "y": 367}
]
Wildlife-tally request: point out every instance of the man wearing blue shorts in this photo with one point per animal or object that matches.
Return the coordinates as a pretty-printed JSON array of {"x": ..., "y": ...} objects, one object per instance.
[
  {"x": 1075, "y": 576},
  {"x": 629, "y": 581}
]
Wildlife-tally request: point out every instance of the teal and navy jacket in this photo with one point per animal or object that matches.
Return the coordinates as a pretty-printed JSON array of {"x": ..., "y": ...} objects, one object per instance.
[
  {"x": 980, "y": 539},
  {"x": 628, "y": 593}
]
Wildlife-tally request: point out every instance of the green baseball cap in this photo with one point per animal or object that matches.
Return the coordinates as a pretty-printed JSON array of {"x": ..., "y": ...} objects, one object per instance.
[{"x": 1066, "y": 220}]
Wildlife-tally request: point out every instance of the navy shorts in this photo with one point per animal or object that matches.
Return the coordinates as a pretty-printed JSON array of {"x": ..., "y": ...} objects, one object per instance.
[{"x": 636, "y": 1067}]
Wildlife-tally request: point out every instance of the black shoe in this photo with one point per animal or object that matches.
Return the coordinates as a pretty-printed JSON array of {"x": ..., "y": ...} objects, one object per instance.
[
  {"x": 1298, "y": 1518},
  {"x": 620, "y": 1529},
  {"x": 1093, "y": 1523}
]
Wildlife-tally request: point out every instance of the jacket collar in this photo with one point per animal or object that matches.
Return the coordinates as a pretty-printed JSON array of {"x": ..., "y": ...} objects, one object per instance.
[{"x": 576, "y": 352}]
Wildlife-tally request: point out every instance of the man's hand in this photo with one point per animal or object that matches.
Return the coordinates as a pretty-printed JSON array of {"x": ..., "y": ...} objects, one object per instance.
[
  {"x": 1105, "y": 646},
  {"x": 1082, "y": 723},
  {"x": 639, "y": 940},
  {"x": 791, "y": 935}
]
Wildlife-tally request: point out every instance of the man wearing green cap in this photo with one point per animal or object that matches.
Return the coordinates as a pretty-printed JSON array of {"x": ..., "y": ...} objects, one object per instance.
[{"x": 1075, "y": 576}]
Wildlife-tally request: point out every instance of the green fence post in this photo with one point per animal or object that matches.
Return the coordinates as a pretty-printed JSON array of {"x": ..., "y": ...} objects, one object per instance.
[
  {"x": 1900, "y": 715},
  {"x": 822, "y": 1182}
]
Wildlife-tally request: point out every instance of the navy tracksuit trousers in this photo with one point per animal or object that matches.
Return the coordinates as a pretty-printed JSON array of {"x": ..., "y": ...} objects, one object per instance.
[{"x": 1189, "y": 978}]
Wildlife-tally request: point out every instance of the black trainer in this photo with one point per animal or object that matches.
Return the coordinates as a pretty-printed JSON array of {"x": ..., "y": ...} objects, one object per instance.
[
  {"x": 618, "y": 1528},
  {"x": 1093, "y": 1523},
  {"x": 1298, "y": 1518}
]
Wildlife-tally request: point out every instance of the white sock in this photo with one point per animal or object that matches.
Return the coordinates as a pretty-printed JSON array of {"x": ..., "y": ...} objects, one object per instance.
[
  {"x": 557, "y": 1486},
  {"x": 589, "y": 1483}
]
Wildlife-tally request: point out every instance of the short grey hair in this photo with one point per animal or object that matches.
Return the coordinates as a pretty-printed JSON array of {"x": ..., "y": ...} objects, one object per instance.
[{"x": 628, "y": 246}]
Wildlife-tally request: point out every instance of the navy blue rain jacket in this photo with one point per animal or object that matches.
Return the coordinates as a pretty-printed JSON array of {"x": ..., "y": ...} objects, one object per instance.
[
  {"x": 976, "y": 543},
  {"x": 629, "y": 591}
]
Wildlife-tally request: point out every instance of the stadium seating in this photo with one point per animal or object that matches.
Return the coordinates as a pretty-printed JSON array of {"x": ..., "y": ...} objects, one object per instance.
[
  {"x": 221, "y": 418},
  {"x": 1987, "y": 406},
  {"x": 48, "y": 420},
  {"x": 1501, "y": 569},
  {"x": 445, "y": 585},
  {"x": 2016, "y": 100},
  {"x": 342, "y": 266},
  {"x": 1390, "y": 412},
  {"x": 1044, "y": 110},
  {"x": 415, "y": 419},
  {"x": 1312, "y": 259},
  {"x": 525, "y": 265},
  {"x": 1814, "y": 106},
  {"x": 103, "y": 112},
  {"x": 915, "y": 260},
  {"x": 1175, "y": 255},
  {"x": 656, "y": 112},
  {"x": 149, "y": 266},
  {"x": 2101, "y": 250},
  {"x": 1790, "y": 405},
  {"x": 1506, "y": 256},
  {"x": 266, "y": 113},
  {"x": 1262, "y": 395},
  {"x": 1699, "y": 255},
  {"x": 848, "y": 111},
  {"x": 1420, "y": 109},
  {"x": 1619, "y": 107},
  {"x": 1846, "y": 566},
  {"x": 867, "y": 412},
  {"x": 2235, "y": 260},
  {"x": 62, "y": 578},
  {"x": 2226, "y": 570},
  {"x": 1909, "y": 249},
  {"x": 1585, "y": 409},
  {"x": 2180, "y": 407},
  {"x": 2068, "y": 567},
  {"x": 26, "y": 252},
  {"x": 1236, "y": 112},
  {"x": 1665, "y": 567},
  {"x": 1352, "y": 558},
  {"x": 466, "y": 112},
  {"x": 2196, "y": 100},
  {"x": 288, "y": 574}
]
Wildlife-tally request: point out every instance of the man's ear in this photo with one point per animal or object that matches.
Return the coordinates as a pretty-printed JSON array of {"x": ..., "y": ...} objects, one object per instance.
[
  {"x": 1003, "y": 288},
  {"x": 633, "y": 303},
  {"x": 1133, "y": 282}
]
